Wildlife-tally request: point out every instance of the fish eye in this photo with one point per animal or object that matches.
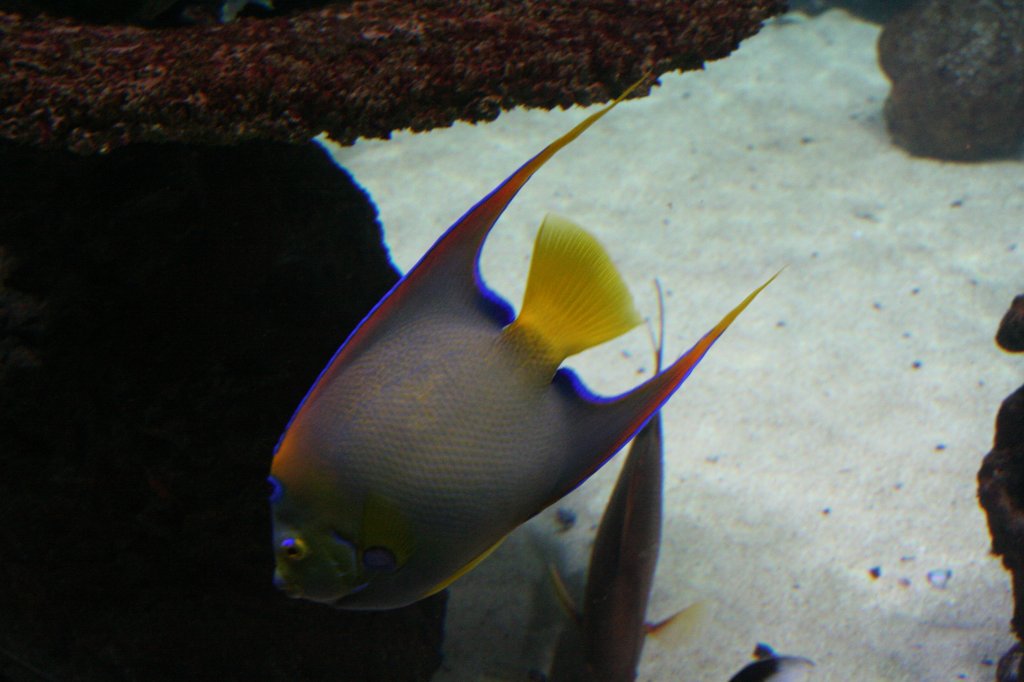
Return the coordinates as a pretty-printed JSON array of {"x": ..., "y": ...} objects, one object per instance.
[
  {"x": 379, "y": 559},
  {"x": 294, "y": 548}
]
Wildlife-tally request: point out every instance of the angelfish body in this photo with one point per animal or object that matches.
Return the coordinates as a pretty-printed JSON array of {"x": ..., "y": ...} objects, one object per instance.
[{"x": 442, "y": 424}]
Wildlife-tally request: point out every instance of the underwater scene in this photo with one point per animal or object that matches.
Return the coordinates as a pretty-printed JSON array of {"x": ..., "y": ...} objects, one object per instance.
[
  {"x": 820, "y": 466},
  {"x": 580, "y": 341}
]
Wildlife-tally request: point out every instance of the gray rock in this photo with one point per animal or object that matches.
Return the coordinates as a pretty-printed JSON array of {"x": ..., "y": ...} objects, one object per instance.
[{"x": 957, "y": 72}]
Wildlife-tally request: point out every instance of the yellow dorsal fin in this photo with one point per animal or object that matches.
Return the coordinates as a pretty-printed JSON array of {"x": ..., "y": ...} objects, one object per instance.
[{"x": 575, "y": 298}]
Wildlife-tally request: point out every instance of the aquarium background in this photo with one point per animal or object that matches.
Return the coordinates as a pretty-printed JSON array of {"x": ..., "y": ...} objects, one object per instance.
[{"x": 820, "y": 490}]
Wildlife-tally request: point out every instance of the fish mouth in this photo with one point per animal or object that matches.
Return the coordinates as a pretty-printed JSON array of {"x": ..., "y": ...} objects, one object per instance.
[
  {"x": 290, "y": 589},
  {"x": 295, "y": 591}
]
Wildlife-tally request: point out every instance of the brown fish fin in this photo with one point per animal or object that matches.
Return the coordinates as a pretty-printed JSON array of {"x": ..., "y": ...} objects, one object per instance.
[
  {"x": 682, "y": 626},
  {"x": 575, "y": 298},
  {"x": 658, "y": 345},
  {"x": 635, "y": 506},
  {"x": 562, "y": 593}
]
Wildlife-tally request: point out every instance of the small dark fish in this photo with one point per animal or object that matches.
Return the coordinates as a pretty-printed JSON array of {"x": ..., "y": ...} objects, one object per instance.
[
  {"x": 622, "y": 563},
  {"x": 612, "y": 626},
  {"x": 775, "y": 669},
  {"x": 608, "y": 637}
]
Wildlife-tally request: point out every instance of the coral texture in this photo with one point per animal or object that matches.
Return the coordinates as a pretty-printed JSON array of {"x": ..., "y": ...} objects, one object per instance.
[
  {"x": 1001, "y": 487},
  {"x": 957, "y": 72},
  {"x": 363, "y": 69}
]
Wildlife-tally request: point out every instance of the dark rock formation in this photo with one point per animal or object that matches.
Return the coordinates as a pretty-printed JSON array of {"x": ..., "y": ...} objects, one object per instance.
[
  {"x": 151, "y": 12},
  {"x": 878, "y": 11},
  {"x": 163, "y": 310},
  {"x": 1010, "y": 668},
  {"x": 1010, "y": 336},
  {"x": 1001, "y": 488},
  {"x": 364, "y": 69},
  {"x": 957, "y": 72}
]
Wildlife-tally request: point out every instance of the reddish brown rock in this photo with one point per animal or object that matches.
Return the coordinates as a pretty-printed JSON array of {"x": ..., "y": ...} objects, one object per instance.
[
  {"x": 1010, "y": 336},
  {"x": 363, "y": 69},
  {"x": 1001, "y": 488}
]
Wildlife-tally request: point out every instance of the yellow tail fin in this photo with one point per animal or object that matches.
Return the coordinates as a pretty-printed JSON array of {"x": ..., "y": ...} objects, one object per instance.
[{"x": 575, "y": 298}]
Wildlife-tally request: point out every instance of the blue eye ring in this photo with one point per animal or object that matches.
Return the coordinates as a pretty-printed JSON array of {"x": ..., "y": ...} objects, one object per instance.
[
  {"x": 276, "y": 489},
  {"x": 294, "y": 549}
]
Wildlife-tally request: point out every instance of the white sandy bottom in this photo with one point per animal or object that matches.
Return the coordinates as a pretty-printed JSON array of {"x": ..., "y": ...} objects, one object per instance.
[{"x": 837, "y": 427}]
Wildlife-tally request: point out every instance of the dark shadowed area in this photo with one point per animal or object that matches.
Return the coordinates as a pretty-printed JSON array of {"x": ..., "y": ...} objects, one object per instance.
[{"x": 162, "y": 311}]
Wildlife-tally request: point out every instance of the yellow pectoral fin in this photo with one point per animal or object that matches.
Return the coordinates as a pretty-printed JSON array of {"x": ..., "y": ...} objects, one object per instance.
[
  {"x": 575, "y": 298},
  {"x": 465, "y": 569}
]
